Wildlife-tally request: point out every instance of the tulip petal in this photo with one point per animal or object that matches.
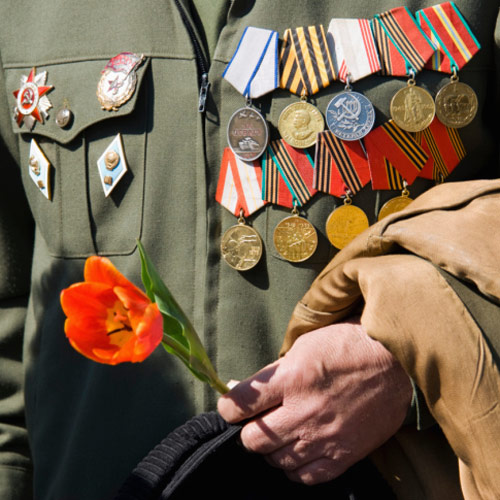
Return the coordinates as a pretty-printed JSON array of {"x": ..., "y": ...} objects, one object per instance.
[{"x": 101, "y": 270}]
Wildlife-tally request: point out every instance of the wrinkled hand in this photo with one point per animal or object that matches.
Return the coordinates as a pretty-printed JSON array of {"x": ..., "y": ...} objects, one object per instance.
[{"x": 335, "y": 397}]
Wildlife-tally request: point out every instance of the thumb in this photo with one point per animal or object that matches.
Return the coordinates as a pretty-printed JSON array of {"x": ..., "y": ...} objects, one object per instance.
[{"x": 253, "y": 395}]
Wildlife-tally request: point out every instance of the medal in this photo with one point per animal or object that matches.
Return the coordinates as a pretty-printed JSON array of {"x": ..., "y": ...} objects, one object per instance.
[
  {"x": 112, "y": 165},
  {"x": 412, "y": 108},
  {"x": 456, "y": 102},
  {"x": 350, "y": 116},
  {"x": 295, "y": 238},
  {"x": 253, "y": 72},
  {"x": 39, "y": 170},
  {"x": 32, "y": 104},
  {"x": 395, "y": 204},
  {"x": 118, "y": 81},
  {"x": 241, "y": 246},
  {"x": 299, "y": 124},
  {"x": 247, "y": 134},
  {"x": 239, "y": 190},
  {"x": 306, "y": 66},
  {"x": 345, "y": 223}
]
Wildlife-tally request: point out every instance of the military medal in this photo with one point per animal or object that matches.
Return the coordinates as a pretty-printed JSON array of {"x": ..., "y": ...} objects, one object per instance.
[
  {"x": 253, "y": 72},
  {"x": 112, "y": 165},
  {"x": 412, "y": 108},
  {"x": 456, "y": 102},
  {"x": 395, "y": 204},
  {"x": 299, "y": 123},
  {"x": 118, "y": 80},
  {"x": 288, "y": 182},
  {"x": 239, "y": 190},
  {"x": 32, "y": 104},
  {"x": 39, "y": 170},
  {"x": 345, "y": 223},
  {"x": 350, "y": 115},
  {"x": 295, "y": 238}
]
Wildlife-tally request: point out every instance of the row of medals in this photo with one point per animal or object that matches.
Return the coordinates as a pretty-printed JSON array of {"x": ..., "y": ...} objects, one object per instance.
[{"x": 349, "y": 116}]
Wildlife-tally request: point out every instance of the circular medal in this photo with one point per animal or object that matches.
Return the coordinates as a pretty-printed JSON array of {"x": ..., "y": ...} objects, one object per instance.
[
  {"x": 247, "y": 134},
  {"x": 295, "y": 239},
  {"x": 299, "y": 124},
  {"x": 395, "y": 205},
  {"x": 412, "y": 108},
  {"x": 456, "y": 104},
  {"x": 118, "y": 80},
  {"x": 344, "y": 224},
  {"x": 241, "y": 247},
  {"x": 350, "y": 116}
]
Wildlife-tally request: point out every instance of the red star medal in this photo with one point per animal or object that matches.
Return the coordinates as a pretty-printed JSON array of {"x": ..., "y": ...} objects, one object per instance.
[{"x": 32, "y": 103}]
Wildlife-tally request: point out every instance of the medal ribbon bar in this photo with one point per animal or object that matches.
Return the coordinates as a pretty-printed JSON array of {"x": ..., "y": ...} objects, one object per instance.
[
  {"x": 240, "y": 185},
  {"x": 455, "y": 43},
  {"x": 306, "y": 65},
  {"x": 354, "y": 48},
  {"x": 392, "y": 151},
  {"x": 339, "y": 165},
  {"x": 253, "y": 69},
  {"x": 402, "y": 45},
  {"x": 445, "y": 150},
  {"x": 296, "y": 168}
]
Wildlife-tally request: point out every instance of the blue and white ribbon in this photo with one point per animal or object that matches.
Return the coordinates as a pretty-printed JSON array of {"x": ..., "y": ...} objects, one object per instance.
[{"x": 253, "y": 69}]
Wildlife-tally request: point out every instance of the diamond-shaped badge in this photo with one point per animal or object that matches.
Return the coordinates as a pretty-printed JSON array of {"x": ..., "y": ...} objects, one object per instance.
[
  {"x": 112, "y": 165},
  {"x": 39, "y": 169}
]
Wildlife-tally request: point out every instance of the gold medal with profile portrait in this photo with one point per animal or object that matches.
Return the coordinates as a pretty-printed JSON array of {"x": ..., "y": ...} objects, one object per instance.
[{"x": 300, "y": 123}]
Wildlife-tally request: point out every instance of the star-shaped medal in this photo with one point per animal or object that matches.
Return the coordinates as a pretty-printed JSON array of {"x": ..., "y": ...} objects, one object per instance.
[{"x": 32, "y": 103}]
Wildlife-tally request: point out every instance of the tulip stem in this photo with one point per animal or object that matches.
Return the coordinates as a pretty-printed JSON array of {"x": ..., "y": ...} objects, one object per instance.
[{"x": 219, "y": 386}]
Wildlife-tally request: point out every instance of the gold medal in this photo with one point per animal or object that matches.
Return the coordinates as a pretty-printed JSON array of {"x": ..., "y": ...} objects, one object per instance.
[
  {"x": 345, "y": 223},
  {"x": 241, "y": 246},
  {"x": 295, "y": 238},
  {"x": 456, "y": 104},
  {"x": 412, "y": 108},
  {"x": 395, "y": 204},
  {"x": 299, "y": 124}
]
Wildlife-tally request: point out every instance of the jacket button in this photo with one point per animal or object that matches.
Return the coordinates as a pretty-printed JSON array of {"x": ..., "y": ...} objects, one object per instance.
[{"x": 63, "y": 117}]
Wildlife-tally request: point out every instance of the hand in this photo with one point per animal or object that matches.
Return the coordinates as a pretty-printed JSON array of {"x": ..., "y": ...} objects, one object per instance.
[{"x": 335, "y": 397}]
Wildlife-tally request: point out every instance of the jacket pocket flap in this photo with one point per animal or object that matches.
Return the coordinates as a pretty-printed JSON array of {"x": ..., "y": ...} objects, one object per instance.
[{"x": 74, "y": 87}]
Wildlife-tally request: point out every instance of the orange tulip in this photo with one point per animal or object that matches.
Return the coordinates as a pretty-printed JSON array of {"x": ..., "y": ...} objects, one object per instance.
[{"x": 109, "y": 319}]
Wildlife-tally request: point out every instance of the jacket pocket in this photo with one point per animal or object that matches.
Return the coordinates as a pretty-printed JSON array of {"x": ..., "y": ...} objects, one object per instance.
[{"x": 79, "y": 220}]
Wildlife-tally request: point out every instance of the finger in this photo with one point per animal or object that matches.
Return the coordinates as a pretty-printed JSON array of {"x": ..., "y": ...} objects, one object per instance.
[
  {"x": 317, "y": 471},
  {"x": 252, "y": 396},
  {"x": 271, "y": 431},
  {"x": 295, "y": 455}
]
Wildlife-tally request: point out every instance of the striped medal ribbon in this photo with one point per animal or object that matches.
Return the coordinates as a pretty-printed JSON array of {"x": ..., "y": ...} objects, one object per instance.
[
  {"x": 404, "y": 50},
  {"x": 341, "y": 169},
  {"x": 288, "y": 181},
  {"x": 395, "y": 160},
  {"x": 456, "y": 45},
  {"x": 239, "y": 191},
  {"x": 444, "y": 147},
  {"x": 350, "y": 115},
  {"x": 306, "y": 66}
]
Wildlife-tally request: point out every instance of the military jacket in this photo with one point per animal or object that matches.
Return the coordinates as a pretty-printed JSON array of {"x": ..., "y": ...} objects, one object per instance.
[{"x": 69, "y": 426}]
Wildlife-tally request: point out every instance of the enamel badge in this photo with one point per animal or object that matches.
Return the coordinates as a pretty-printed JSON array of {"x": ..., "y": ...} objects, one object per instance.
[
  {"x": 112, "y": 165},
  {"x": 39, "y": 169},
  {"x": 31, "y": 102},
  {"x": 118, "y": 81}
]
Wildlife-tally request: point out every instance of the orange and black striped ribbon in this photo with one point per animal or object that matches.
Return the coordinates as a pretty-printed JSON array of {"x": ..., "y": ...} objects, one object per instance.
[
  {"x": 444, "y": 147},
  {"x": 393, "y": 155},
  {"x": 402, "y": 45},
  {"x": 339, "y": 165},
  {"x": 288, "y": 175},
  {"x": 306, "y": 64}
]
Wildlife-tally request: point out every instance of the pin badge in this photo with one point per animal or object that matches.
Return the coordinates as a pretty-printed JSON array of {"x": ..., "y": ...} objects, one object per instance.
[
  {"x": 118, "y": 80},
  {"x": 112, "y": 165},
  {"x": 31, "y": 102},
  {"x": 39, "y": 169}
]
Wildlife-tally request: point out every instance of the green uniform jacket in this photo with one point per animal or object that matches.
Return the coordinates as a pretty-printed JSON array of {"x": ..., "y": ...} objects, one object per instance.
[{"x": 88, "y": 424}]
